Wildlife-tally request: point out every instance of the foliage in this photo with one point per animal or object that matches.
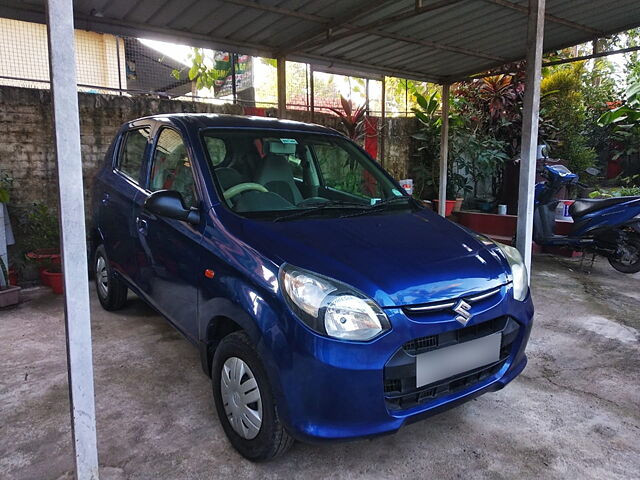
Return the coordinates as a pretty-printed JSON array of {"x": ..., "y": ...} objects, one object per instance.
[
  {"x": 6, "y": 182},
  {"x": 352, "y": 120},
  {"x": 564, "y": 106},
  {"x": 624, "y": 122},
  {"x": 425, "y": 168},
  {"x": 202, "y": 70},
  {"x": 482, "y": 157},
  {"x": 39, "y": 228},
  {"x": 492, "y": 107}
]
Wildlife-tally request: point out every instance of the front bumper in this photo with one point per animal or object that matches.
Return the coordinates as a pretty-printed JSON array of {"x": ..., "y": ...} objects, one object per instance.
[{"x": 335, "y": 390}]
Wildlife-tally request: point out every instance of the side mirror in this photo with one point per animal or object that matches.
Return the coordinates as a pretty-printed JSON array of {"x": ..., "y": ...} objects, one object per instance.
[{"x": 170, "y": 204}]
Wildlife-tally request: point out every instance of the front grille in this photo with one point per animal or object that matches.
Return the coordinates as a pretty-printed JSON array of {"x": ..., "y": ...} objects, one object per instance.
[
  {"x": 400, "y": 371},
  {"x": 421, "y": 344}
]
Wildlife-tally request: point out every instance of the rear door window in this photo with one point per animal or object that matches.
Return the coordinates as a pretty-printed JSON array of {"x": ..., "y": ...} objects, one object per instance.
[
  {"x": 171, "y": 169},
  {"x": 132, "y": 153}
]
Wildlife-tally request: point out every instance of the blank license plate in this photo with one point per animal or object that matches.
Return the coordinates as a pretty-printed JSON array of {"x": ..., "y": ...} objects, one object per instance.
[{"x": 449, "y": 361}]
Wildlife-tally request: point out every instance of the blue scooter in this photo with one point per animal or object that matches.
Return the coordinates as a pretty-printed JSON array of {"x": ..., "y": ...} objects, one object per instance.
[{"x": 609, "y": 227}]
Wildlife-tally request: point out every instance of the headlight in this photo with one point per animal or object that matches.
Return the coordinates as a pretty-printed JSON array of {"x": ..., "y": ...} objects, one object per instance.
[
  {"x": 518, "y": 271},
  {"x": 330, "y": 307}
]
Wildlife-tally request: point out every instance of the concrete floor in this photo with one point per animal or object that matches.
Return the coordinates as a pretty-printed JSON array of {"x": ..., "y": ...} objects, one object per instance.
[{"x": 573, "y": 413}]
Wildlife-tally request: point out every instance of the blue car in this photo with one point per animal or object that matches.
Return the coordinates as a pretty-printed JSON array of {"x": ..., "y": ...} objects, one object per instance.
[{"x": 325, "y": 302}]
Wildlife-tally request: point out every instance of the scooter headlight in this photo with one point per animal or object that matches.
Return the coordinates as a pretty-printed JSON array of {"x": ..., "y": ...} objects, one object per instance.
[
  {"x": 330, "y": 307},
  {"x": 519, "y": 274}
]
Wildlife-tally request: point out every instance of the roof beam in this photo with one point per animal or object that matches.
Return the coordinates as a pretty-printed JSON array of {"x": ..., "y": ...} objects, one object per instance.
[
  {"x": 550, "y": 18},
  {"x": 280, "y": 11},
  {"x": 306, "y": 38},
  {"x": 435, "y": 45},
  {"x": 352, "y": 29}
]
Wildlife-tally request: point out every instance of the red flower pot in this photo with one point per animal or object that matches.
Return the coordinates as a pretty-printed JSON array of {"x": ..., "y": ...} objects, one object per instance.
[
  {"x": 448, "y": 208},
  {"x": 45, "y": 258},
  {"x": 55, "y": 281}
]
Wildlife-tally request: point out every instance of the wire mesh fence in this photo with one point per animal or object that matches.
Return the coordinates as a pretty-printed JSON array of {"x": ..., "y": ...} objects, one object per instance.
[{"x": 133, "y": 66}]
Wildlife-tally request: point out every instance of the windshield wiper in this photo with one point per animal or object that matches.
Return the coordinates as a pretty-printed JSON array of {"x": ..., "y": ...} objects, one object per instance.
[
  {"x": 314, "y": 208},
  {"x": 382, "y": 205}
]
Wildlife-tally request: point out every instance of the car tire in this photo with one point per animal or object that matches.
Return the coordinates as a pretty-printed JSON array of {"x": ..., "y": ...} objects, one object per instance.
[
  {"x": 240, "y": 384},
  {"x": 112, "y": 292}
]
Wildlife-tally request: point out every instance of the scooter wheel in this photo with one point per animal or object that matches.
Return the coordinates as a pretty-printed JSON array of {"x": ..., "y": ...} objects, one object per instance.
[{"x": 627, "y": 258}]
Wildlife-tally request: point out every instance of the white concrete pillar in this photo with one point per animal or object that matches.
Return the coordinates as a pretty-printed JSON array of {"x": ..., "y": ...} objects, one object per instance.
[
  {"x": 530, "y": 115},
  {"x": 444, "y": 151},
  {"x": 73, "y": 236}
]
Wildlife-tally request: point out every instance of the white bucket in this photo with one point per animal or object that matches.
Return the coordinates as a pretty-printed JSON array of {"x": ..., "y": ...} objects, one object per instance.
[
  {"x": 407, "y": 184},
  {"x": 562, "y": 210}
]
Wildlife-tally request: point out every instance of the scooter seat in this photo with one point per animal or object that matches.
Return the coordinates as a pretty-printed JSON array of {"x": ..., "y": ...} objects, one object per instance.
[{"x": 583, "y": 206}]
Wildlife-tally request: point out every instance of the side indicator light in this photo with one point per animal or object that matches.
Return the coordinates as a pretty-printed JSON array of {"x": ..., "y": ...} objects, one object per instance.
[{"x": 209, "y": 273}]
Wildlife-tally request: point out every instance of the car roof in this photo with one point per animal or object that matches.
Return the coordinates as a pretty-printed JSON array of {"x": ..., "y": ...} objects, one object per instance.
[{"x": 213, "y": 120}]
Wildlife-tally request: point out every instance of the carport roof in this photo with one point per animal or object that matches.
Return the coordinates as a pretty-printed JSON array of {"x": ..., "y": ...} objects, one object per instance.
[{"x": 434, "y": 40}]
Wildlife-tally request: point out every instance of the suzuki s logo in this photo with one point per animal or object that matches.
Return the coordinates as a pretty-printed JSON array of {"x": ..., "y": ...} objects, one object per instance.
[{"x": 462, "y": 309}]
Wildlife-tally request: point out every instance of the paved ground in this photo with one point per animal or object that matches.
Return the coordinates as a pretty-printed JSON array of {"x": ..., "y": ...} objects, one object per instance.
[{"x": 574, "y": 413}]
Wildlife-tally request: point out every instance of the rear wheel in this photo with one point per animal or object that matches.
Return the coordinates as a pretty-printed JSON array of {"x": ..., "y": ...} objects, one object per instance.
[
  {"x": 244, "y": 400},
  {"x": 112, "y": 293},
  {"x": 627, "y": 256}
]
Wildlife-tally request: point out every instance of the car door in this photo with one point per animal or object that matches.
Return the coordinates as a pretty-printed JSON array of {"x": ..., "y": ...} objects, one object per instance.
[
  {"x": 172, "y": 248},
  {"x": 118, "y": 197}
]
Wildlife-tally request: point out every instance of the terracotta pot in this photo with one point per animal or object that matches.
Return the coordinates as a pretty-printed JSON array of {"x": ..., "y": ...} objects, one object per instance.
[
  {"x": 448, "y": 208},
  {"x": 44, "y": 280},
  {"x": 458, "y": 205},
  {"x": 13, "y": 276},
  {"x": 55, "y": 281},
  {"x": 9, "y": 296}
]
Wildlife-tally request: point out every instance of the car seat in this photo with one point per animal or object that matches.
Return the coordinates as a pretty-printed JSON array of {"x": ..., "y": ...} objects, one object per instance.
[{"x": 276, "y": 175}]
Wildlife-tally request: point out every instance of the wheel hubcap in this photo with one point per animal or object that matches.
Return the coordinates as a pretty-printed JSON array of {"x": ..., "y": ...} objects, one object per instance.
[
  {"x": 241, "y": 398},
  {"x": 102, "y": 277}
]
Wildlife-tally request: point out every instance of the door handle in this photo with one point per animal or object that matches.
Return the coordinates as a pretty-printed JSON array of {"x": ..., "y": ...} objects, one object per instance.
[{"x": 142, "y": 225}]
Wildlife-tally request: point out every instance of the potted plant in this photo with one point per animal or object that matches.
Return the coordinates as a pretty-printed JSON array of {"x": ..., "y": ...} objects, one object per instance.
[
  {"x": 9, "y": 294},
  {"x": 54, "y": 278},
  {"x": 41, "y": 238}
]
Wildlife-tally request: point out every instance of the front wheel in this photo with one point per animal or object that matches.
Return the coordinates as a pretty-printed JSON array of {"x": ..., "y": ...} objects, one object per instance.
[
  {"x": 626, "y": 259},
  {"x": 244, "y": 400}
]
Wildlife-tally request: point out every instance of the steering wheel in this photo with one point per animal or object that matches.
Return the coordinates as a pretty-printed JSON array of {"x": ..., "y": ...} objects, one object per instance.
[{"x": 243, "y": 187}]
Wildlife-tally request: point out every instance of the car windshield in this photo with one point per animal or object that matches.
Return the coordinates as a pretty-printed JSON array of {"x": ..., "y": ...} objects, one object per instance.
[{"x": 281, "y": 175}]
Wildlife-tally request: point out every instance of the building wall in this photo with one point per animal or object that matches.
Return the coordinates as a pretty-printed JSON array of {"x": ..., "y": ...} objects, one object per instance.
[
  {"x": 24, "y": 56},
  {"x": 27, "y": 152}
]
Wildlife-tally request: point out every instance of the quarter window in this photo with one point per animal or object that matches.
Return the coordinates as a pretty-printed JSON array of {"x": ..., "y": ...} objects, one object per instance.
[
  {"x": 171, "y": 169},
  {"x": 132, "y": 153}
]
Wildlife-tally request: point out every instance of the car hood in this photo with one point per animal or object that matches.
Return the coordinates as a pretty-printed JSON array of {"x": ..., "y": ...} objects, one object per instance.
[{"x": 395, "y": 258}]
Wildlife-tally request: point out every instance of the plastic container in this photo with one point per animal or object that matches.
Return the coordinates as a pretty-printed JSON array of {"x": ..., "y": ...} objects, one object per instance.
[{"x": 562, "y": 211}]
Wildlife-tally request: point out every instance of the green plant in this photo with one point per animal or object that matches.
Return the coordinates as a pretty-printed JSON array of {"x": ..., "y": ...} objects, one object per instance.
[
  {"x": 6, "y": 182},
  {"x": 481, "y": 158},
  {"x": 425, "y": 165},
  {"x": 563, "y": 104},
  {"x": 351, "y": 120},
  {"x": 39, "y": 228},
  {"x": 624, "y": 122}
]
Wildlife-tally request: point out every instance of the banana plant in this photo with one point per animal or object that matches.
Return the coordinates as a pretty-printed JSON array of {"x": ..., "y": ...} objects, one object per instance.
[{"x": 624, "y": 122}]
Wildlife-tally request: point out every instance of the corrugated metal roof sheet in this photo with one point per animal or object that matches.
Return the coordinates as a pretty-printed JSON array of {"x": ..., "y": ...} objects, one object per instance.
[{"x": 440, "y": 41}]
